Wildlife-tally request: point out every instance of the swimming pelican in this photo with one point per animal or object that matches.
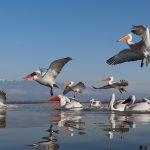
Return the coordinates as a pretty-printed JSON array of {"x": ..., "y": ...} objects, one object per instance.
[
  {"x": 2, "y": 99},
  {"x": 116, "y": 85},
  {"x": 94, "y": 103},
  {"x": 136, "y": 51},
  {"x": 67, "y": 103},
  {"x": 48, "y": 78},
  {"x": 121, "y": 104},
  {"x": 140, "y": 106},
  {"x": 77, "y": 88}
]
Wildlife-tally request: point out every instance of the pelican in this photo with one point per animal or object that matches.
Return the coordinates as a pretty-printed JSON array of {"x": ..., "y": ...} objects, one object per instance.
[
  {"x": 116, "y": 85},
  {"x": 67, "y": 103},
  {"x": 121, "y": 104},
  {"x": 48, "y": 78},
  {"x": 77, "y": 88},
  {"x": 48, "y": 143},
  {"x": 94, "y": 103},
  {"x": 144, "y": 105},
  {"x": 136, "y": 51},
  {"x": 2, "y": 99}
]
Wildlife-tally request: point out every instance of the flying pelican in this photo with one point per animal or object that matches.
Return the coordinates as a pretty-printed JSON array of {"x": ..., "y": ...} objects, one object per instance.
[
  {"x": 66, "y": 103},
  {"x": 77, "y": 88},
  {"x": 48, "y": 78},
  {"x": 116, "y": 85},
  {"x": 136, "y": 51},
  {"x": 121, "y": 104}
]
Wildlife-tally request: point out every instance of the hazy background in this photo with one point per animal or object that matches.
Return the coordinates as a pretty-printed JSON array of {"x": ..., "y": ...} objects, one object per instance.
[{"x": 33, "y": 33}]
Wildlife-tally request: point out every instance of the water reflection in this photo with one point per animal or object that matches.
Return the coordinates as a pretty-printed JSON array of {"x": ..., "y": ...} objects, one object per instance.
[
  {"x": 2, "y": 118},
  {"x": 120, "y": 123},
  {"x": 70, "y": 121},
  {"x": 49, "y": 142},
  {"x": 144, "y": 147}
]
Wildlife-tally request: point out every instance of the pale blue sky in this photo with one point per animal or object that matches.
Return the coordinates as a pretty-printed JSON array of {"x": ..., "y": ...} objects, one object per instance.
[{"x": 33, "y": 33}]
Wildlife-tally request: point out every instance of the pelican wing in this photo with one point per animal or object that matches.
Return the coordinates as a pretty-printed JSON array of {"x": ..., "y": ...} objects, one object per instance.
[
  {"x": 103, "y": 87},
  {"x": 78, "y": 87},
  {"x": 125, "y": 55},
  {"x": 55, "y": 68},
  {"x": 67, "y": 90},
  {"x": 123, "y": 83}
]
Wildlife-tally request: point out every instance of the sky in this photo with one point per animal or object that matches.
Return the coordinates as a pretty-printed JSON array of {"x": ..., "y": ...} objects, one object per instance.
[{"x": 33, "y": 33}]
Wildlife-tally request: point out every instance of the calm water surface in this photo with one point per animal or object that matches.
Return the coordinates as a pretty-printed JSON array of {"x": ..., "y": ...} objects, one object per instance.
[{"x": 36, "y": 126}]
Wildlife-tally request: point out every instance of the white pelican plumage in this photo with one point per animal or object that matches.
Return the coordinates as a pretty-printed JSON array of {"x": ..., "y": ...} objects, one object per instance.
[
  {"x": 94, "y": 103},
  {"x": 68, "y": 103},
  {"x": 136, "y": 51},
  {"x": 48, "y": 78},
  {"x": 116, "y": 85},
  {"x": 143, "y": 106},
  {"x": 121, "y": 104}
]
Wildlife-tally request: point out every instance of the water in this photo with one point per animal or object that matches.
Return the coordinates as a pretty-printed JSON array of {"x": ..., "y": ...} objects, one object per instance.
[{"x": 37, "y": 126}]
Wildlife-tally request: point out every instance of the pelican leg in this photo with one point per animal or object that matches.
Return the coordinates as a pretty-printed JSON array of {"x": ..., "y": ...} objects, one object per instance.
[
  {"x": 74, "y": 94},
  {"x": 146, "y": 63},
  {"x": 51, "y": 91},
  {"x": 120, "y": 90},
  {"x": 142, "y": 63}
]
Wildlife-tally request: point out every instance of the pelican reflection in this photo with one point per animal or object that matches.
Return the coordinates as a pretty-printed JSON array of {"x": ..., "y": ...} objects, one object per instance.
[
  {"x": 49, "y": 142},
  {"x": 71, "y": 122},
  {"x": 2, "y": 118}
]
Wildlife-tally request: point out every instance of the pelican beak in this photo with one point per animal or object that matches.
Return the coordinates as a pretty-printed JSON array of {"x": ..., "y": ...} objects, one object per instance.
[
  {"x": 107, "y": 79},
  {"x": 125, "y": 38},
  {"x": 30, "y": 76},
  {"x": 54, "y": 99},
  {"x": 127, "y": 101},
  {"x": 67, "y": 84}
]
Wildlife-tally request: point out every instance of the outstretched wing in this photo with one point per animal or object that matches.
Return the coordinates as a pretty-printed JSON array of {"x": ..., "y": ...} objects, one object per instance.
[
  {"x": 123, "y": 83},
  {"x": 103, "y": 87},
  {"x": 78, "y": 87},
  {"x": 125, "y": 55},
  {"x": 55, "y": 68},
  {"x": 67, "y": 90}
]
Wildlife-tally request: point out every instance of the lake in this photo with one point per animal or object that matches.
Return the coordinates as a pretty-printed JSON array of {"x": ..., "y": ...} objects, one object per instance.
[{"x": 37, "y": 126}]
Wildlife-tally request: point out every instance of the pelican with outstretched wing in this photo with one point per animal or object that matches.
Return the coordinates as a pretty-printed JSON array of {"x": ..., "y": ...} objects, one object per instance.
[
  {"x": 115, "y": 85},
  {"x": 48, "y": 78},
  {"x": 136, "y": 51},
  {"x": 77, "y": 88}
]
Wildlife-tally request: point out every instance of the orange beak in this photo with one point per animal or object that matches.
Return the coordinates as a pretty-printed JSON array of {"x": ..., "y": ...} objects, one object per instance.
[
  {"x": 67, "y": 84},
  {"x": 125, "y": 38}
]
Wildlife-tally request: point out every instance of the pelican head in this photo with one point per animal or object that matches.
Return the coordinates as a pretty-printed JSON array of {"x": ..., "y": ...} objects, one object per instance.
[
  {"x": 70, "y": 84},
  {"x": 61, "y": 98},
  {"x": 33, "y": 75},
  {"x": 110, "y": 79}
]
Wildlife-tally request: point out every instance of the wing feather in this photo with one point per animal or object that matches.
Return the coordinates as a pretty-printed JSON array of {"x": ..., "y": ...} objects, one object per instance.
[
  {"x": 103, "y": 87},
  {"x": 78, "y": 87},
  {"x": 55, "y": 68},
  {"x": 125, "y": 55}
]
